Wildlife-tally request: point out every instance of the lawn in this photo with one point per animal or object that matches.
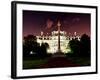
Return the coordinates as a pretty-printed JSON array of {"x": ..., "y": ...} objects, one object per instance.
[
  {"x": 31, "y": 64},
  {"x": 49, "y": 61},
  {"x": 82, "y": 61}
]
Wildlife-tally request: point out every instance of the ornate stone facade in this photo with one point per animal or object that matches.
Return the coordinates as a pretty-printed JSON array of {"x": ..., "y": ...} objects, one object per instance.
[{"x": 52, "y": 40}]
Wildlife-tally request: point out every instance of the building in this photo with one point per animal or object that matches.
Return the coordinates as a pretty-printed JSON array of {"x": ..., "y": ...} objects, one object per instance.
[{"x": 52, "y": 40}]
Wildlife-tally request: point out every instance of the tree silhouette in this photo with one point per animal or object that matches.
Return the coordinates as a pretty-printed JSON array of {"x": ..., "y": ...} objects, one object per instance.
[
  {"x": 32, "y": 48},
  {"x": 30, "y": 45},
  {"x": 44, "y": 47},
  {"x": 80, "y": 48},
  {"x": 74, "y": 45},
  {"x": 85, "y": 45}
]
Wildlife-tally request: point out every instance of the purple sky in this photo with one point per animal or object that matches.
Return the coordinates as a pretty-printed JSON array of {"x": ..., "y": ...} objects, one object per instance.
[{"x": 36, "y": 21}]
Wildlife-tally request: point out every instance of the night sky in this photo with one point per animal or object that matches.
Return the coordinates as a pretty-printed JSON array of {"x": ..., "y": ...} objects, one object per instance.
[{"x": 36, "y": 21}]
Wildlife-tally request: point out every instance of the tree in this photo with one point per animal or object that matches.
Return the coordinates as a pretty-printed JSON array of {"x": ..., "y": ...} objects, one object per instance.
[
  {"x": 30, "y": 38},
  {"x": 30, "y": 44},
  {"x": 74, "y": 45},
  {"x": 44, "y": 48},
  {"x": 85, "y": 45},
  {"x": 32, "y": 48},
  {"x": 81, "y": 48}
]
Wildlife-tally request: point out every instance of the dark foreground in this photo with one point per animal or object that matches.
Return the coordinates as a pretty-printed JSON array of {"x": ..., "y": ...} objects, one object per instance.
[
  {"x": 55, "y": 62},
  {"x": 58, "y": 62}
]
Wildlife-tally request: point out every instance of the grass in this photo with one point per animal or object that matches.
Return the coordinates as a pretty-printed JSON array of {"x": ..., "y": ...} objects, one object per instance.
[
  {"x": 36, "y": 63},
  {"x": 31, "y": 64},
  {"x": 82, "y": 61}
]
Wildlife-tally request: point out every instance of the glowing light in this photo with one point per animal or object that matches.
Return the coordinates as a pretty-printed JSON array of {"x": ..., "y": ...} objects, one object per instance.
[{"x": 53, "y": 42}]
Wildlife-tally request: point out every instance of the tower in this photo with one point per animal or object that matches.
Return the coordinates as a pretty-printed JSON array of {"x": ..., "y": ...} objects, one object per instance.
[
  {"x": 59, "y": 53},
  {"x": 58, "y": 25}
]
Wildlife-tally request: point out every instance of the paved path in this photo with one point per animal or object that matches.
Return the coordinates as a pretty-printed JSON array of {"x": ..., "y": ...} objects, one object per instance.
[{"x": 55, "y": 62}]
